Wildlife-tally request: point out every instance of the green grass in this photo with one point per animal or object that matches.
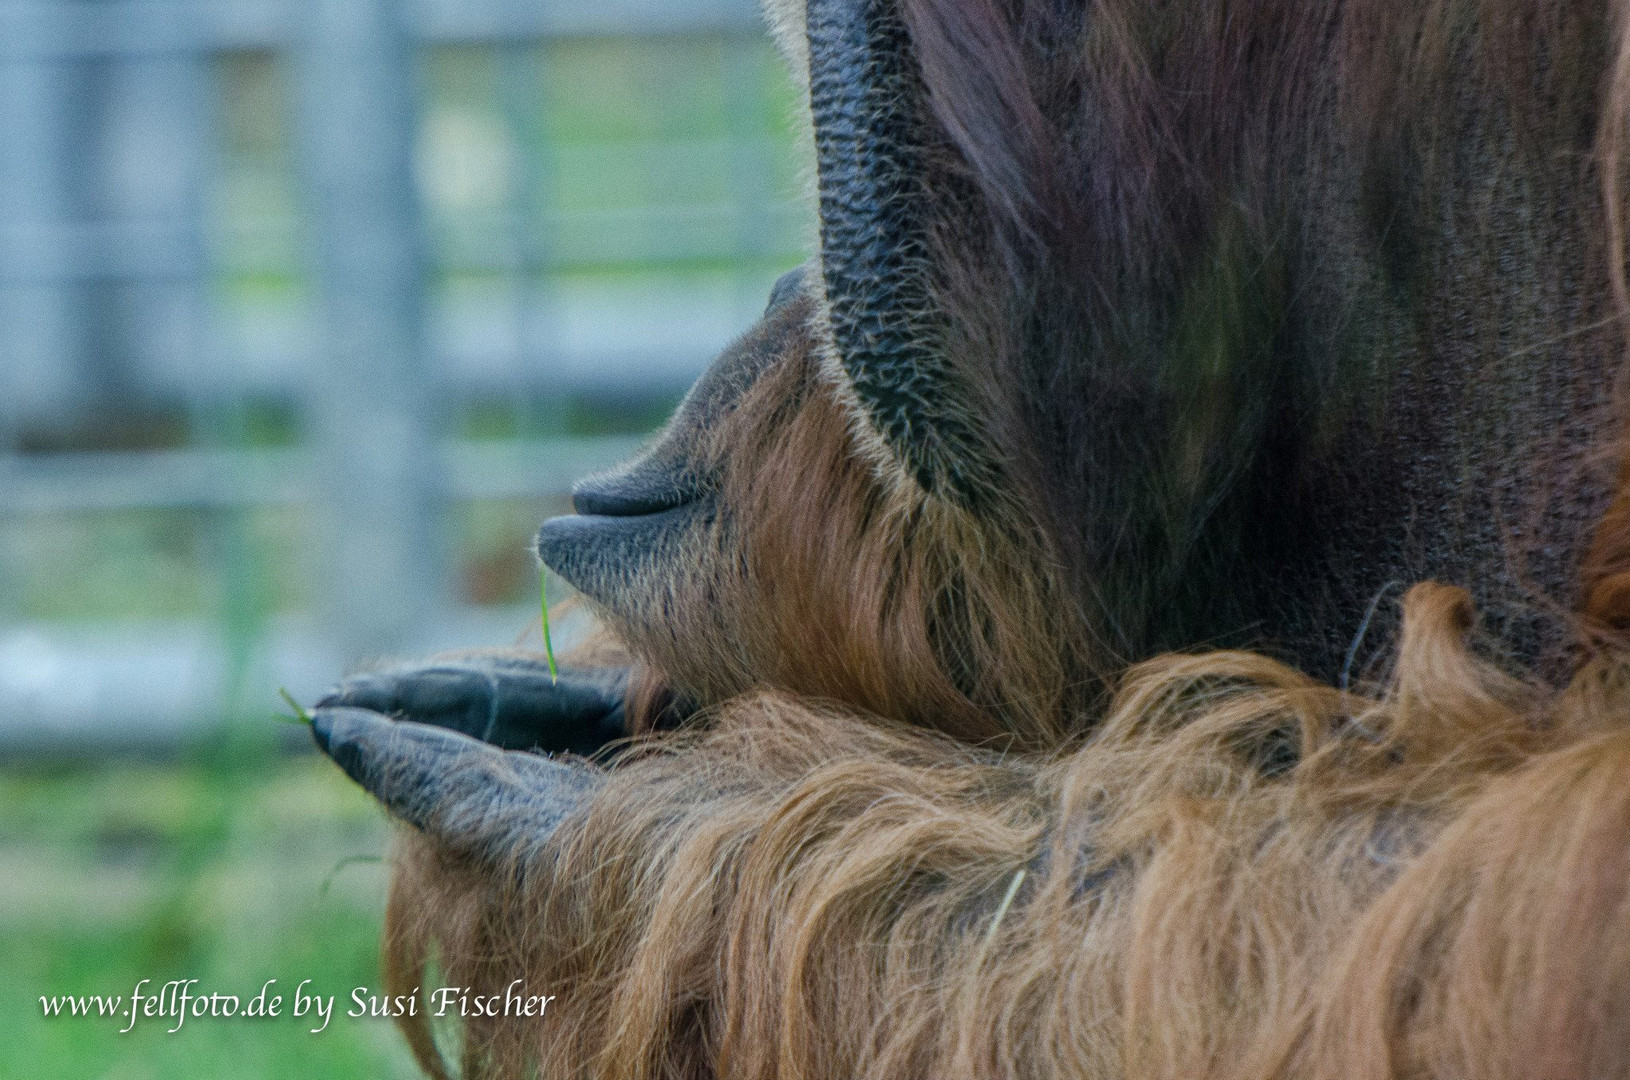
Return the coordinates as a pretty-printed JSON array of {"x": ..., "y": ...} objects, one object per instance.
[
  {"x": 548, "y": 641},
  {"x": 300, "y": 715},
  {"x": 239, "y": 867}
]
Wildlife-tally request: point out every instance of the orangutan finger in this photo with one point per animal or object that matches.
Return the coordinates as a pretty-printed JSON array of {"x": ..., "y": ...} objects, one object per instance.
[
  {"x": 509, "y": 702},
  {"x": 470, "y": 797}
]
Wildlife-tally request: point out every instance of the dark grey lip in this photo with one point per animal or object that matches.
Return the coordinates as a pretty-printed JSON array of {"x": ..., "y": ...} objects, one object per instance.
[
  {"x": 626, "y": 500},
  {"x": 582, "y": 547}
]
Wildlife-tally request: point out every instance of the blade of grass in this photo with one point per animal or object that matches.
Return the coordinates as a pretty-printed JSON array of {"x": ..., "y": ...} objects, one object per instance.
[
  {"x": 300, "y": 715},
  {"x": 548, "y": 645}
]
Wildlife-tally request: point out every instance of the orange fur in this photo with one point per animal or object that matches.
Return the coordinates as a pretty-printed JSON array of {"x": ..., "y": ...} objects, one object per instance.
[{"x": 1438, "y": 886}]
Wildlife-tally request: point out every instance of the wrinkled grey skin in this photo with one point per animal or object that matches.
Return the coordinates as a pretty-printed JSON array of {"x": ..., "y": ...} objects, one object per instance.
[
  {"x": 510, "y": 702},
  {"x": 475, "y": 800}
]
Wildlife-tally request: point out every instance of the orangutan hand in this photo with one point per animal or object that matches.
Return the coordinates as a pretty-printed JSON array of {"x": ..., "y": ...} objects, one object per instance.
[
  {"x": 508, "y": 700},
  {"x": 472, "y": 799}
]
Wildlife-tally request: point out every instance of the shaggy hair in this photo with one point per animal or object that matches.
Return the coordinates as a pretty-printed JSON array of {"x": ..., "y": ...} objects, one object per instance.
[
  {"x": 1241, "y": 872},
  {"x": 929, "y": 822}
]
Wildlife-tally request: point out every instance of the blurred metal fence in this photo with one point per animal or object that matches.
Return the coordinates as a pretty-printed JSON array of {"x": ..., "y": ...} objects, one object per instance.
[{"x": 113, "y": 250}]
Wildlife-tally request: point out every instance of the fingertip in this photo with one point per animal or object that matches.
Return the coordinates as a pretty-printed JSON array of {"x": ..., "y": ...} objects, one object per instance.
[
  {"x": 367, "y": 691},
  {"x": 341, "y": 732},
  {"x": 322, "y": 725}
]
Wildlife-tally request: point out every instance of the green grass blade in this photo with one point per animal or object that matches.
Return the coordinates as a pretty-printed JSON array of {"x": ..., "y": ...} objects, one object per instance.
[
  {"x": 548, "y": 645},
  {"x": 300, "y": 715}
]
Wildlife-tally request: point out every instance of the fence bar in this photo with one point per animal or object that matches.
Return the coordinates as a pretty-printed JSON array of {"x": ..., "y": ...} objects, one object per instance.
[
  {"x": 40, "y": 350},
  {"x": 370, "y": 405}
]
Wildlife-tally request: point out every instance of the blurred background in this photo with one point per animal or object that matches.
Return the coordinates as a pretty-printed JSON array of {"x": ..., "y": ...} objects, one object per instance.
[{"x": 310, "y": 312}]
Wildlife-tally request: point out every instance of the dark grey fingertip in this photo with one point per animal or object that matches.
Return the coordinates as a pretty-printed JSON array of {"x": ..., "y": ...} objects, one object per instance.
[
  {"x": 340, "y": 733},
  {"x": 360, "y": 691},
  {"x": 471, "y": 796},
  {"x": 403, "y": 765},
  {"x": 333, "y": 698},
  {"x": 322, "y": 723}
]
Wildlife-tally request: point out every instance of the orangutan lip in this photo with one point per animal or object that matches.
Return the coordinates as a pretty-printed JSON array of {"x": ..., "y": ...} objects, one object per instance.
[
  {"x": 575, "y": 528},
  {"x": 583, "y": 548},
  {"x": 611, "y": 502}
]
